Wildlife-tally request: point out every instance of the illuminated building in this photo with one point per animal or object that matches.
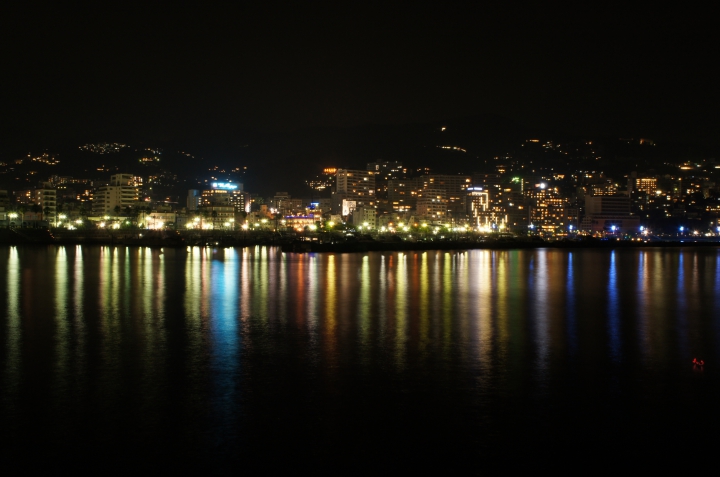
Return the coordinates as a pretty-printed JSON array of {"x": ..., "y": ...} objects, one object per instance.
[
  {"x": 647, "y": 185},
  {"x": 24, "y": 197},
  {"x": 222, "y": 194},
  {"x": 432, "y": 203},
  {"x": 46, "y": 199},
  {"x": 402, "y": 194},
  {"x": 299, "y": 222},
  {"x": 160, "y": 220},
  {"x": 547, "y": 208},
  {"x": 358, "y": 183},
  {"x": 284, "y": 204},
  {"x": 353, "y": 186},
  {"x": 385, "y": 172},
  {"x": 120, "y": 193},
  {"x": 454, "y": 187},
  {"x": 609, "y": 214},
  {"x": 364, "y": 215}
]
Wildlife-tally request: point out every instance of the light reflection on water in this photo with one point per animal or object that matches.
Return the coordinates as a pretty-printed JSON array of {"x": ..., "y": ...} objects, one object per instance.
[{"x": 218, "y": 350}]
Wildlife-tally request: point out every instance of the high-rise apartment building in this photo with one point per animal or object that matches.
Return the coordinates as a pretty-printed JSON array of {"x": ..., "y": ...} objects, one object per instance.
[
  {"x": 356, "y": 186},
  {"x": 46, "y": 199},
  {"x": 119, "y": 194}
]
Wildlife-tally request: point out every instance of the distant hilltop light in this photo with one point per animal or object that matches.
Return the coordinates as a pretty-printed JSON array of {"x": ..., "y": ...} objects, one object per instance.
[
  {"x": 455, "y": 148},
  {"x": 103, "y": 147}
]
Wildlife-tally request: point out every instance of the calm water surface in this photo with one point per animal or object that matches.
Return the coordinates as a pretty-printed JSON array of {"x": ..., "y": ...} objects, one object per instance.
[{"x": 476, "y": 360}]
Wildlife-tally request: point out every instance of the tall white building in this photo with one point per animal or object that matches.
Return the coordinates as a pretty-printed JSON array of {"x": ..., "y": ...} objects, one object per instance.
[
  {"x": 46, "y": 198},
  {"x": 121, "y": 192}
]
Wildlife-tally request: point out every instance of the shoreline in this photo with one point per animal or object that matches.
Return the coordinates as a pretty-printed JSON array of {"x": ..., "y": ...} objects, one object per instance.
[{"x": 294, "y": 244}]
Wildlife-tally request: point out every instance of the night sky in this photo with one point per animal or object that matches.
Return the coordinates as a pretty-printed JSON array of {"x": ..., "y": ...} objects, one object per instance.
[{"x": 113, "y": 71}]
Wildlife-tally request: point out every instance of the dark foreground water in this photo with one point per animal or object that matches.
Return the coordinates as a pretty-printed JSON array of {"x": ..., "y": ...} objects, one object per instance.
[{"x": 240, "y": 360}]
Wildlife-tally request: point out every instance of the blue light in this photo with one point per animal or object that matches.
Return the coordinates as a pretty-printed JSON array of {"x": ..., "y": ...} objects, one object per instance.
[{"x": 224, "y": 185}]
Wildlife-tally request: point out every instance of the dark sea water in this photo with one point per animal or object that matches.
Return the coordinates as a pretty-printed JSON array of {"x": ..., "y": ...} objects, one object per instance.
[{"x": 231, "y": 361}]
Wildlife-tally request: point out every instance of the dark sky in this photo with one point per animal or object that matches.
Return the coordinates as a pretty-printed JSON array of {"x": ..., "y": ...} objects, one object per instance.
[{"x": 114, "y": 71}]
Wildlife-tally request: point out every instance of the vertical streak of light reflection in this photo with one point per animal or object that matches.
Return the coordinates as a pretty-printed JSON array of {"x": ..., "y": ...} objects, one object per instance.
[
  {"x": 246, "y": 284},
  {"x": 661, "y": 303},
  {"x": 424, "y": 305},
  {"x": 447, "y": 306},
  {"x": 62, "y": 336},
  {"x": 613, "y": 308},
  {"x": 158, "y": 285},
  {"x": 311, "y": 294},
  {"x": 278, "y": 279},
  {"x": 13, "y": 341},
  {"x": 225, "y": 338},
  {"x": 193, "y": 289},
  {"x": 110, "y": 330},
  {"x": 192, "y": 299},
  {"x": 463, "y": 307},
  {"x": 570, "y": 307},
  {"x": 645, "y": 302},
  {"x": 79, "y": 325},
  {"x": 261, "y": 283},
  {"x": 483, "y": 283},
  {"x": 682, "y": 306},
  {"x": 364, "y": 302},
  {"x": 382, "y": 296},
  {"x": 498, "y": 277},
  {"x": 401, "y": 304},
  {"x": 542, "y": 302},
  {"x": 330, "y": 310}
]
